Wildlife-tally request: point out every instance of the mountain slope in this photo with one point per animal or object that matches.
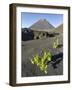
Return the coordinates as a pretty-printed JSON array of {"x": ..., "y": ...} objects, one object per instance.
[
  {"x": 41, "y": 24},
  {"x": 59, "y": 29}
]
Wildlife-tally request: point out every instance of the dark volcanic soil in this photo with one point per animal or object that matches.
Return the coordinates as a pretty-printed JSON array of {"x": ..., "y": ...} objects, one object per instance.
[{"x": 55, "y": 67}]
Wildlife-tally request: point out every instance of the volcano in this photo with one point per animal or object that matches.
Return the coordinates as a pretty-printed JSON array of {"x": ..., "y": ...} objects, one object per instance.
[{"x": 42, "y": 25}]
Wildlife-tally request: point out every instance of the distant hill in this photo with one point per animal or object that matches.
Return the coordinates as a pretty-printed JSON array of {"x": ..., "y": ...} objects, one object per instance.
[
  {"x": 41, "y": 29},
  {"x": 59, "y": 29},
  {"x": 42, "y": 25}
]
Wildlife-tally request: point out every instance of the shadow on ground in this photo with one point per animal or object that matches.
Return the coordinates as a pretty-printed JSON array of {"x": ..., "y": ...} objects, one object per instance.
[{"x": 56, "y": 59}]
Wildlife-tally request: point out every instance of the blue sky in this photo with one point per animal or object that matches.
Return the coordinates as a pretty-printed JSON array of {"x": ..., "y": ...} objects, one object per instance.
[{"x": 27, "y": 19}]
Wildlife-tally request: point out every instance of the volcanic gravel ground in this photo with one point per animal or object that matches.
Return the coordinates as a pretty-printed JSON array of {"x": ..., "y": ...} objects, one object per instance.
[{"x": 55, "y": 67}]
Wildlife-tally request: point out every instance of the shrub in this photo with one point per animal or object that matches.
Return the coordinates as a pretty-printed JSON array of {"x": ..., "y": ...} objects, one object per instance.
[
  {"x": 56, "y": 43},
  {"x": 41, "y": 62},
  {"x": 40, "y": 35}
]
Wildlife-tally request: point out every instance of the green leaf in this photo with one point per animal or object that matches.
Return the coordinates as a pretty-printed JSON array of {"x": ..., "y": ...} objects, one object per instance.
[
  {"x": 32, "y": 61},
  {"x": 41, "y": 61}
]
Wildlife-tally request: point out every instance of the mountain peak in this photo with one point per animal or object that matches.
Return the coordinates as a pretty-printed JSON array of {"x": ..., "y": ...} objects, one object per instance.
[
  {"x": 41, "y": 24},
  {"x": 42, "y": 20}
]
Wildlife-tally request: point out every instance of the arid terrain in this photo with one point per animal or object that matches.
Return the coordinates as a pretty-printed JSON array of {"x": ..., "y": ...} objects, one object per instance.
[{"x": 29, "y": 47}]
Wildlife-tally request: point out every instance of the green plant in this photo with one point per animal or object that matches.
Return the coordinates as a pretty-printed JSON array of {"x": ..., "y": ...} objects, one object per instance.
[
  {"x": 56, "y": 43},
  {"x": 41, "y": 62},
  {"x": 40, "y": 35},
  {"x": 35, "y": 60}
]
